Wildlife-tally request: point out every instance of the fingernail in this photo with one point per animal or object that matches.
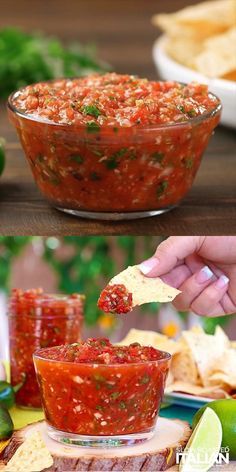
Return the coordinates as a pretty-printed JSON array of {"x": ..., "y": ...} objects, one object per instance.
[
  {"x": 204, "y": 275},
  {"x": 148, "y": 265},
  {"x": 222, "y": 281}
]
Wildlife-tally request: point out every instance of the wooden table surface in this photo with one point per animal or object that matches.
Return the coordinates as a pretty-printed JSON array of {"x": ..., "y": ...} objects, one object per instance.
[{"x": 124, "y": 36}]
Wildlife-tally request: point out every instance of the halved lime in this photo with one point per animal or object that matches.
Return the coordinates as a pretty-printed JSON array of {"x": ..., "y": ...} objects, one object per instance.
[
  {"x": 226, "y": 412},
  {"x": 204, "y": 445}
]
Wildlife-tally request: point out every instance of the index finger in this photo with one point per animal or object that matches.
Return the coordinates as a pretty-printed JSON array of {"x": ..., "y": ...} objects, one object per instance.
[{"x": 171, "y": 253}]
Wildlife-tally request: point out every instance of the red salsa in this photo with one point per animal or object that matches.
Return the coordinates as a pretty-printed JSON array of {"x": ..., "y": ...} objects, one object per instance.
[
  {"x": 115, "y": 299},
  {"x": 39, "y": 320},
  {"x": 114, "y": 143},
  {"x": 96, "y": 388}
]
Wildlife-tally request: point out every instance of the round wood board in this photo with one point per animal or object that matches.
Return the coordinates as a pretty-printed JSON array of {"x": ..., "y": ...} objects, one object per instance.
[{"x": 158, "y": 453}]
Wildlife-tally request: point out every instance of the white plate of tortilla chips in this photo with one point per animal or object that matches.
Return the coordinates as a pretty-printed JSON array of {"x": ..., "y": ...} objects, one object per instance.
[
  {"x": 203, "y": 366},
  {"x": 199, "y": 44}
]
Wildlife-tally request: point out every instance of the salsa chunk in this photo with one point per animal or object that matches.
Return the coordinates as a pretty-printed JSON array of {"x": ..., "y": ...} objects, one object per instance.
[{"x": 115, "y": 299}]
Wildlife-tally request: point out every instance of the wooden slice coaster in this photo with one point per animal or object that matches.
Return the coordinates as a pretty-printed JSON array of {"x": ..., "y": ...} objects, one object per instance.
[{"x": 158, "y": 453}]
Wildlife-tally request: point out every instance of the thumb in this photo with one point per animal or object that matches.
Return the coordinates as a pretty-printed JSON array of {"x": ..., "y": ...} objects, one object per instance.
[{"x": 170, "y": 253}]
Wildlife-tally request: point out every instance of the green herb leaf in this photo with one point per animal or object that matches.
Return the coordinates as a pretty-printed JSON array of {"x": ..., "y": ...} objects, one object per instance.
[
  {"x": 120, "y": 152},
  {"x": 91, "y": 110},
  {"x": 122, "y": 405},
  {"x": 112, "y": 161},
  {"x": 145, "y": 379},
  {"x": 56, "y": 330},
  {"x": 39, "y": 158},
  {"x": 188, "y": 162},
  {"x": 95, "y": 176},
  {"x": 157, "y": 156},
  {"x": 55, "y": 181},
  {"x": 191, "y": 113},
  {"x": 115, "y": 395},
  {"x": 77, "y": 175},
  {"x": 92, "y": 127},
  {"x": 181, "y": 108},
  {"x": 77, "y": 158},
  {"x": 35, "y": 58},
  {"x": 161, "y": 188},
  {"x": 99, "y": 378}
]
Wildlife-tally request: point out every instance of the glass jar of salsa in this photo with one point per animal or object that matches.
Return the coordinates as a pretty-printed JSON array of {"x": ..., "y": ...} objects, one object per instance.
[
  {"x": 114, "y": 146},
  {"x": 38, "y": 320},
  {"x": 98, "y": 394}
]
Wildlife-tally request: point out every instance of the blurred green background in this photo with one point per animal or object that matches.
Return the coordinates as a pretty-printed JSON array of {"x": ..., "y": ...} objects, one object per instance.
[{"x": 85, "y": 264}]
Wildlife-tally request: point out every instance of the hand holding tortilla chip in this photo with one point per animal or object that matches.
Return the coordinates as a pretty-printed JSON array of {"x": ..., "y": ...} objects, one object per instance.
[
  {"x": 202, "y": 267},
  {"x": 131, "y": 288}
]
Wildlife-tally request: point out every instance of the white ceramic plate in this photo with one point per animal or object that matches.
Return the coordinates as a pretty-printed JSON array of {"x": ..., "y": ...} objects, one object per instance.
[
  {"x": 169, "y": 69},
  {"x": 184, "y": 399}
]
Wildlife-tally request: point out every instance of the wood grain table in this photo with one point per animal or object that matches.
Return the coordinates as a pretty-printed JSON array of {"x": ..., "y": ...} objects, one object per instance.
[{"x": 124, "y": 37}]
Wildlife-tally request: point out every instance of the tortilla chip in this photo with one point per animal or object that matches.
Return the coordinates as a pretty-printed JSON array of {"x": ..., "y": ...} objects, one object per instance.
[
  {"x": 140, "y": 336},
  {"x": 225, "y": 369},
  {"x": 233, "y": 344},
  {"x": 150, "y": 338},
  {"x": 197, "y": 329},
  {"x": 184, "y": 368},
  {"x": 209, "y": 392},
  {"x": 230, "y": 76},
  {"x": 206, "y": 350},
  {"x": 198, "y": 21},
  {"x": 31, "y": 456},
  {"x": 169, "y": 378},
  {"x": 218, "y": 57},
  {"x": 144, "y": 289},
  {"x": 183, "y": 51},
  {"x": 221, "y": 336},
  {"x": 201, "y": 364}
]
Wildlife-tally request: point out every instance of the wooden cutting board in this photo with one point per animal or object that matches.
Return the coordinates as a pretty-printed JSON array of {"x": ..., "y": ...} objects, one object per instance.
[{"x": 156, "y": 454}]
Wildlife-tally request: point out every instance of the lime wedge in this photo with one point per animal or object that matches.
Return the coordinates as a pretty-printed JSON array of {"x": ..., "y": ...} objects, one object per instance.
[{"x": 204, "y": 445}]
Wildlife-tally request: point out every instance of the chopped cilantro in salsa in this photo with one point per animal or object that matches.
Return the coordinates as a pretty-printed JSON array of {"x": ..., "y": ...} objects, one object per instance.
[
  {"x": 96, "y": 388},
  {"x": 114, "y": 143},
  {"x": 114, "y": 100},
  {"x": 101, "y": 351},
  {"x": 91, "y": 110},
  {"x": 115, "y": 299}
]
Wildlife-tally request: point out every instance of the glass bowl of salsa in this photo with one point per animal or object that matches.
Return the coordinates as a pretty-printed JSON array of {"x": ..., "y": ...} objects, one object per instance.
[
  {"x": 98, "y": 394},
  {"x": 114, "y": 146},
  {"x": 38, "y": 320}
]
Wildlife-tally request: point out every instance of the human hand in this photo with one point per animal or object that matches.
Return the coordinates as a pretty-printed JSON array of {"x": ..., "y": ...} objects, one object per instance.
[{"x": 202, "y": 267}]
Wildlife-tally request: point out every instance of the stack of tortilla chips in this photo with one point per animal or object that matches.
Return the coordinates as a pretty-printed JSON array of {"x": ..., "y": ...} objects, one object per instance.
[
  {"x": 203, "y": 37},
  {"x": 202, "y": 364}
]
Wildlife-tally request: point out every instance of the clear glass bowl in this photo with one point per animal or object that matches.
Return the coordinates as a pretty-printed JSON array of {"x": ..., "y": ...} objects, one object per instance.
[
  {"x": 96, "y": 405},
  {"x": 114, "y": 173},
  {"x": 46, "y": 321}
]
